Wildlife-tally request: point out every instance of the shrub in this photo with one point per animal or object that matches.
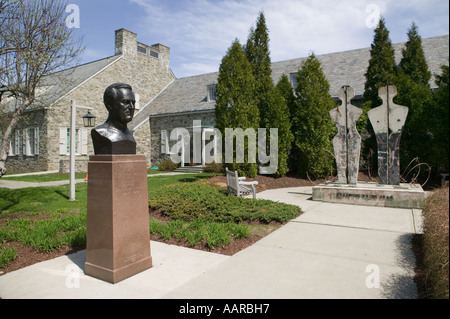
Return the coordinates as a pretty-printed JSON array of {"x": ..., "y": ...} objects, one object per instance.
[
  {"x": 167, "y": 165},
  {"x": 436, "y": 243},
  {"x": 197, "y": 201},
  {"x": 214, "y": 167}
]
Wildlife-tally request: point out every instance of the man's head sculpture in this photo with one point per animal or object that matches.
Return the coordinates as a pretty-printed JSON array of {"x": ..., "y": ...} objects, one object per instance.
[{"x": 113, "y": 137}]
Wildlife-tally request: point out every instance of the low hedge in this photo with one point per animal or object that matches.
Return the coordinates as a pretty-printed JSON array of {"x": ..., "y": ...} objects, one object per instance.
[{"x": 198, "y": 201}]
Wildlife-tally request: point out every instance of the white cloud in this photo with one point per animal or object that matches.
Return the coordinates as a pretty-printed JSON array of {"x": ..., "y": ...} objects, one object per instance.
[{"x": 199, "y": 32}]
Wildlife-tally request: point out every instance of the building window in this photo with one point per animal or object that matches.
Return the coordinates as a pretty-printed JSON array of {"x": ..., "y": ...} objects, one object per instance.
[
  {"x": 211, "y": 93},
  {"x": 31, "y": 141},
  {"x": 154, "y": 54},
  {"x": 142, "y": 50},
  {"x": 164, "y": 142},
  {"x": 81, "y": 139},
  {"x": 14, "y": 144},
  {"x": 137, "y": 105}
]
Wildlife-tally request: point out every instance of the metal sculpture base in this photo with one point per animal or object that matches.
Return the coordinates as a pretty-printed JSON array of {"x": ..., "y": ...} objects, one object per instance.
[
  {"x": 371, "y": 194},
  {"x": 118, "y": 239}
]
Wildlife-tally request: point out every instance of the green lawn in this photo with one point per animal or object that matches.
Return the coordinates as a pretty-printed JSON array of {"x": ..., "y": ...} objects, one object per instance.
[
  {"x": 44, "y": 218},
  {"x": 43, "y": 178}
]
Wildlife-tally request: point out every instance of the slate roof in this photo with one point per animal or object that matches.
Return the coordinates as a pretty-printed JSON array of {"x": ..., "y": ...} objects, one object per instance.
[
  {"x": 56, "y": 85},
  {"x": 64, "y": 81},
  {"x": 188, "y": 94}
]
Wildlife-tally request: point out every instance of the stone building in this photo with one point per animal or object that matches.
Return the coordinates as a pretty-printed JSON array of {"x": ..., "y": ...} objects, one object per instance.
[
  {"x": 41, "y": 141},
  {"x": 163, "y": 101}
]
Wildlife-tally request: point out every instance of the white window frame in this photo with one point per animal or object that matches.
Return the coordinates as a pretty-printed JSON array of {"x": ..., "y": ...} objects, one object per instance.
[
  {"x": 81, "y": 141},
  {"x": 137, "y": 105},
  {"x": 30, "y": 141},
  {"x": 165, "y": 149},
  {"x": 211, "y": 93},
  {"x": 14, "y": 144}
]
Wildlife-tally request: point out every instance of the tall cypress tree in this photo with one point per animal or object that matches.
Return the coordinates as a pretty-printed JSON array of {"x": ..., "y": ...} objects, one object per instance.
[
  {"x": 236, "y": 105},
  {"x": 413, "y": 63},
  {"x": 272, "y": 106},
  {"x": 414, "y": 92},
  {"x": 439, "y": 123},
  {"x": 314, "y": 129},
  {"x": 381, "y": 69},
  {"x": 278, "y": 116},
  {"x": 258, "y": 53},
  {"x": 286, "y": 90}
]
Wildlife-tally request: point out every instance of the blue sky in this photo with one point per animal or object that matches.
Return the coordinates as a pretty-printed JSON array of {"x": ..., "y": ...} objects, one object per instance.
[{"x": 199, "y": 32}]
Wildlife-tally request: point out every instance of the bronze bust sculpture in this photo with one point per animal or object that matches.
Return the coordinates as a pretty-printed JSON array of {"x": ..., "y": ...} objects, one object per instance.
[{"x": 113, "y": 137}]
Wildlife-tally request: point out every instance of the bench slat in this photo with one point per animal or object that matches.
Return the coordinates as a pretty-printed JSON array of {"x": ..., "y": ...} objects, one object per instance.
[{"x": 235, "y": 184}]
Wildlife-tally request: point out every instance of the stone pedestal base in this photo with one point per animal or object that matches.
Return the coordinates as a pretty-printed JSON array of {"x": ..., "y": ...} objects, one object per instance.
[
  {"x": 118, "y": 239},
  {"x": 371, "y": 194}
]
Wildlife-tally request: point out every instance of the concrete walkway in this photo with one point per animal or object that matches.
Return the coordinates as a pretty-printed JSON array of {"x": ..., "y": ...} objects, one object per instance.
[{"x": 332, "y": 251}]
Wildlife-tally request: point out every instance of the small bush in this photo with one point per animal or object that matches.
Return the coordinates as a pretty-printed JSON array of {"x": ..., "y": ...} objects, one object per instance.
[
  {"x": 167, "y": 166},
  {"x": 436, "y": 243},
  {"x": 214, "y": 167}
]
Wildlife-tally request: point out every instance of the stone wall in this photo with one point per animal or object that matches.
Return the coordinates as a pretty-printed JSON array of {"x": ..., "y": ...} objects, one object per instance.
[{"x": 20, "y": 161}]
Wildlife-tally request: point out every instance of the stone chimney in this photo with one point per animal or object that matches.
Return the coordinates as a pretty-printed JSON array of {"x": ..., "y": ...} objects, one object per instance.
[{"x": 126, "y": 42}]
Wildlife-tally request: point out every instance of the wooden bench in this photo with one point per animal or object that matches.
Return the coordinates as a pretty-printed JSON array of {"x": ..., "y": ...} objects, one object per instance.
[{"x": 238, "y": 186}]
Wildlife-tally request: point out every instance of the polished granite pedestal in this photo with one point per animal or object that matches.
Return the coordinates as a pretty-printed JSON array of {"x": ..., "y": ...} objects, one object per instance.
[{"x": 118, "y": 239}]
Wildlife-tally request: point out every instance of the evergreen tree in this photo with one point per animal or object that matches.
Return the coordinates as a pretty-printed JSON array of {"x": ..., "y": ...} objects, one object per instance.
[
  {"x": 413, "y": 62},
  {"x": 286, "y": 90},
  {"x": 439, "y": 123},
  {"x": 272, "y": 106},
  {"x": 257, "y": 51},
  {"x": 381, "y": 69},
  {"x": 414, "y": 92},
  {"x": 314, "y": 129},
  {"x": 236, "y": 106},
  {"x": 278, "y": 116},
  {"x": 418, "y": 98}
]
